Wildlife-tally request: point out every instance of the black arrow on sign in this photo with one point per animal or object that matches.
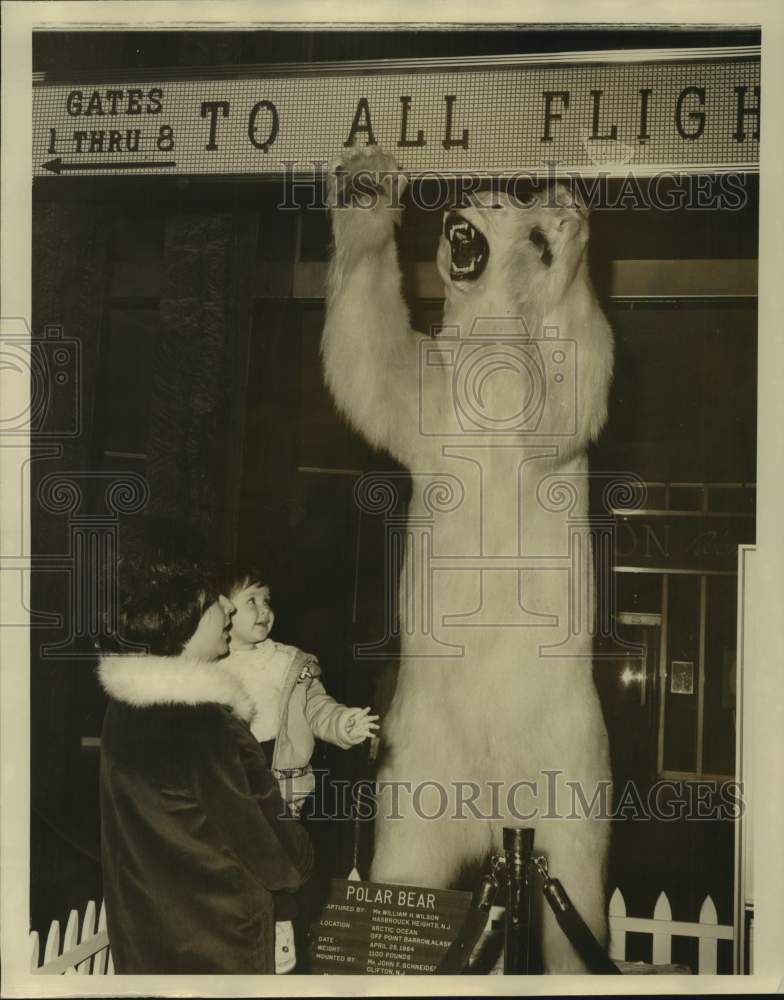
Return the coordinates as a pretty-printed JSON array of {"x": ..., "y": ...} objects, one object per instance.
[{"x": 56, "y": 166}]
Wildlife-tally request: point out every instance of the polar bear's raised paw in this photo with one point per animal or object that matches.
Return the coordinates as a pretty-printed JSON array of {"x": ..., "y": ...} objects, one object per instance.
[{"x": 364, "y": 192}]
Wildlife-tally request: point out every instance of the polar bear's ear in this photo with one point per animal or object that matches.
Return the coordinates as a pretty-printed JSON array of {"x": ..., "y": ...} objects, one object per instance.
[{"x": 563, "y": 197}]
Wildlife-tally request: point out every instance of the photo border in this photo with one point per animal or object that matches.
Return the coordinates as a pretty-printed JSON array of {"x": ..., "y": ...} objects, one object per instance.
[{"x": 764, "y": 689}]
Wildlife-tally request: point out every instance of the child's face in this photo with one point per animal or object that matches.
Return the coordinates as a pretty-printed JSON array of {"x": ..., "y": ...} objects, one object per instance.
[{"x": 253, "y": 620}]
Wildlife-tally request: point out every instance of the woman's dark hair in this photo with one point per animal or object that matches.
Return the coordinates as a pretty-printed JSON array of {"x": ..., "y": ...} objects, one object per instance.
[{"x": 163, "y": 588}]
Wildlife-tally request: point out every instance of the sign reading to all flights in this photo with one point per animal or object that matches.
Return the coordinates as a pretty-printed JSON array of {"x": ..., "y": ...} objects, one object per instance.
[
  {"x": 370, "y": 928},
  {"x": 613, "y": 113}
]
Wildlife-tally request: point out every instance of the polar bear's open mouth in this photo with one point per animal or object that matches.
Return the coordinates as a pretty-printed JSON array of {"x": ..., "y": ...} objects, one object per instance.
[{"x": 470, "y": 250}]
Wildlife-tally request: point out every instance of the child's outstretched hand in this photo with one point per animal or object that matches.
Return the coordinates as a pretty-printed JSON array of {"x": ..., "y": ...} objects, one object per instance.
[{"x": 359, "y": 724}]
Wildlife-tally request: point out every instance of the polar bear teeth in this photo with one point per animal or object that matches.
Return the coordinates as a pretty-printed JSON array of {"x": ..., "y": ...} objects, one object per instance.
[{"x": 468, "y": 246}]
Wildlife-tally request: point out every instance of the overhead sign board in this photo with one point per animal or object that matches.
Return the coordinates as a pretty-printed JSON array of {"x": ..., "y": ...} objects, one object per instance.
[{"x": 610, "y": 113}]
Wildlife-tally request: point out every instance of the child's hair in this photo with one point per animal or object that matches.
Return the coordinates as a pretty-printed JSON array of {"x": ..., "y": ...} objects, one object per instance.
[
  {"x": 163, "y": 589},
  {"x": 244, "y": 575}
]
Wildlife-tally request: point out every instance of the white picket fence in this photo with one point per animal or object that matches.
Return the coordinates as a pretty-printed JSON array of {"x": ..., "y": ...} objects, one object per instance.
[
  {"x": 663, "y": 928},
  {"x": 84, "y": 952}
]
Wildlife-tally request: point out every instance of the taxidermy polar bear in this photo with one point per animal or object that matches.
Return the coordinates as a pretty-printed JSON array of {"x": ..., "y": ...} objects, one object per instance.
[{"x": 495, "y": 701}]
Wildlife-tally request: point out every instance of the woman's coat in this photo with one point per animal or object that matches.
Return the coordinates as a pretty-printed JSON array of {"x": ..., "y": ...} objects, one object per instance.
[{"x": 194, "y": 832}]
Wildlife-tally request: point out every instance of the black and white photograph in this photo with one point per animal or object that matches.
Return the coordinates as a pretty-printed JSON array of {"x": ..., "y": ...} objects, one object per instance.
[{"x": 391, "y": 557}]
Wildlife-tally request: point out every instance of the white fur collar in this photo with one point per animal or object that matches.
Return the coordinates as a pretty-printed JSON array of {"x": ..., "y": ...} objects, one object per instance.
[{"x": 143, "y": 681}]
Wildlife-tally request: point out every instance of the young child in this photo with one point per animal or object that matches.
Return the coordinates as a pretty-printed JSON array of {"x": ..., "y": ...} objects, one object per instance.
[{"x": 291, "y": 710}]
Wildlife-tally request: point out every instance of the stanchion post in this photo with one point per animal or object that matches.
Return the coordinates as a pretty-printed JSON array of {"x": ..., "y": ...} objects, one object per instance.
[{"x": 518, "y": 848}]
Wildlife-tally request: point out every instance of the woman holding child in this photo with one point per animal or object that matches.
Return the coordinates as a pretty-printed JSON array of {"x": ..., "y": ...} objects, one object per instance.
[{"x": 195, "y": 836}]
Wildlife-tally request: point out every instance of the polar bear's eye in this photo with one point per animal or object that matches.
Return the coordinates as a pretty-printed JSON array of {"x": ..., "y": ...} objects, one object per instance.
[
  {"x": 542, "y": 244},
  {"x": 469, "y": 248}
]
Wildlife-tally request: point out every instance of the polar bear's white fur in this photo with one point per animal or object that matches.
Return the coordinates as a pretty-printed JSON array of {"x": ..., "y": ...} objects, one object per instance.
[{"x": 505, "y": 692}]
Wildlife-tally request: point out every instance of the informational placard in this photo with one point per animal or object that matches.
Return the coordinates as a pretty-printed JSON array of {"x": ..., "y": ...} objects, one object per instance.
[
  {"x": 371, "y": 928},
  {"x": 611, "y": 113}
]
